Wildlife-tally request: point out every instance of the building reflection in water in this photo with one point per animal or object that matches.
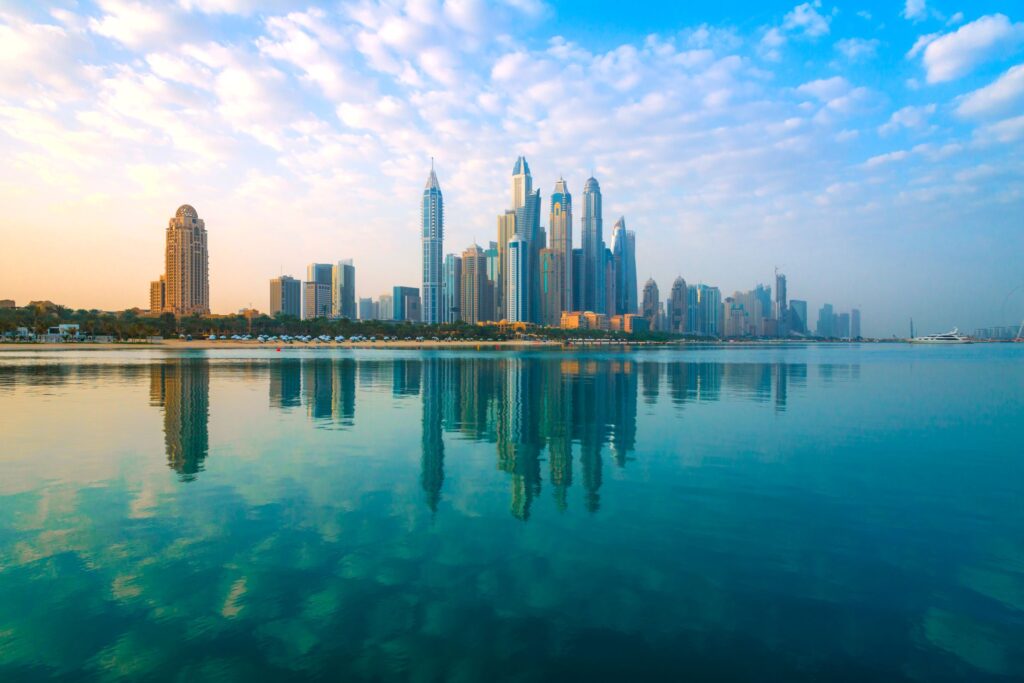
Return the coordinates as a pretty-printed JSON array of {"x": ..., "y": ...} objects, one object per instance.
[
  {"x": 182, "y": 389},
  {"x": 578, "y": 412}
]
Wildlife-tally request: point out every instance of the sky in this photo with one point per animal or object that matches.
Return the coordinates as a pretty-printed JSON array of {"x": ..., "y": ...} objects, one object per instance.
[{"x": 872, "y": 151}]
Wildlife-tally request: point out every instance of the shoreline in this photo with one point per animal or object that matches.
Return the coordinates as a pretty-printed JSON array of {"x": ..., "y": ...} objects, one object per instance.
[{"x": 229, "y": 344}]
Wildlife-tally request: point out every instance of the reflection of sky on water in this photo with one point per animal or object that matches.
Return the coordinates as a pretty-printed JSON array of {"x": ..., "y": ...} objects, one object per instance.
[{"x": 364, "y": 513}]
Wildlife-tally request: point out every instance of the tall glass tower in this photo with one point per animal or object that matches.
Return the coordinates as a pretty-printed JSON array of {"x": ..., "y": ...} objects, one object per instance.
[
  {"x": 433, "y": 249},
  {"x": 624, "y": 248},
  {"x": 593, "y": 249},
  {"x": 561, "y": 243}
]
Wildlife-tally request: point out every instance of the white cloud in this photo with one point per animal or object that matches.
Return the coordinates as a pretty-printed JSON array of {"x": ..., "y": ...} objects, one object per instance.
[
  {"x": 1002, "y": 132},
  {"x": 908, "y": 118},
  {"x": 886, "y": 158},
  {"x": 956, "y": 54},
  {"x": 135, "y": 24},
  {"x": 804, "y": 19},
  {"x": 826, "y": 89},
  {"x": 1003, "y": 96},
  {"x": 915, "y": 10},
  {"x": 857, "y": 49}
]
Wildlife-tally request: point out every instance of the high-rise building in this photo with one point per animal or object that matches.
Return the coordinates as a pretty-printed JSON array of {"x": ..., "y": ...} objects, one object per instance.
[
  {"x": 652, "y": 305},
  {"x": 317, "y": 295},
  {"x": 624, "y": 248},
  {"x": 517, "y": 284},
  {"x": 528, "y": 228},
  {"x": 710, "y": 310},
  {"x": 609, "y": 281},
  {"x": 855, "y": 323},
  {"x": 577, "y": 280},
  {"x": 286, "y": 296},
  {"x": 842, "y": 326},
  {"x": 506, "y": 231},
  {"x": 477, "y": 297},
  {"x": 522, "y": 183},
  {"x": 678, "y": 307},
  {"x": 494, "y": 279},
  {"x": 158, "y": 295},
  {"x": 798, "y": 316},
  {"x": 433, "y": 249},
  {"x": 187, "y": 264},
  {"x": 780, "y": 297},
  {"x": 551, "y": 283},
  {"x": 406, "y": 304},
  {"x": 451, "y": 289},
  {"x": 368, "y": 309},
  {"x": 385, "y": 307},
  {"x": 826, "y": 325},
  {"x": 593, "y": 249},
  {"x": 560, "y": 227},
  {"x": 343, "y": 290}
]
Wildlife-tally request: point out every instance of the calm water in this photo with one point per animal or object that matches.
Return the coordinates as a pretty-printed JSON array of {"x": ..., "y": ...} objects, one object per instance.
[{"x": 839, "y": 512}]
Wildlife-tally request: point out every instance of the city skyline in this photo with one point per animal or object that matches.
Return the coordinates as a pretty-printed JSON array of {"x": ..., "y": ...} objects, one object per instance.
[{"x": 866, "y": 149}]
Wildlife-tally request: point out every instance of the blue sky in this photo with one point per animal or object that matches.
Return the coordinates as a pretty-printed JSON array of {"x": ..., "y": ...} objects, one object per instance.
[{"x": 871, "y": 150}]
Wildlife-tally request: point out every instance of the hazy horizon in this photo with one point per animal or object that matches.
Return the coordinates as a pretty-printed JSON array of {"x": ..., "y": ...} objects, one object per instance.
[{"x": 869, "y": 150}]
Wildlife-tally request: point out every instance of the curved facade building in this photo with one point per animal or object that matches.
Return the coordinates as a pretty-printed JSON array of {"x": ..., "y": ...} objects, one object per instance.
[{"x": 187, "y": 263}]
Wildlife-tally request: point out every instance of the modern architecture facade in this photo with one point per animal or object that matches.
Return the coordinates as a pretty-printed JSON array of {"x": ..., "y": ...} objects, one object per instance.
[
  {"x": 343, "y": 290},
  {"x": 316, "y": 301},
  {"x": 432, "y": 210},
  {"x": 451, "y": 289},
  {"x": 560, "y": 233},
  {"x": 517, "y": 284},
  {"x": 624, "y": 250},
  {"x": 285, "y": 296},
  {"x": 406, "y": 304},
  {"x": 592, "y": 276},
  {"x": 187, "y": 264},
  {"x": 157, "y": 295},
  {"x": 651, "y": 304},
  {"x": 678, "y": 307},
  {"x": 476, "y": 299}
]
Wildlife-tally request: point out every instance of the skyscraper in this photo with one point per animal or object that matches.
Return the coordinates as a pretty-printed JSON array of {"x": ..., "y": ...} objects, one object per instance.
[
  {"x": 368, "y": 309},
  {"x": 451, "y": 290},
  {"x": 551, "y": 281},
  {"x": 317, "y": 295},
  {"x": 577, "y": 280},
  {"x": 385, "y": 307},
  {"x": 406, "y": 304},
  {"x": 158, "y": 295},
  {"x": 528, "y": 228},
  {"x": 593, "y": 249},
  {"x": 433, "y": 248},
  {"x": 517, "y": 284},
  {"x": 652, "y": 304},
  {"x": 560, "y": 227},
  {"x": 780, "y": 298},
  {"x": 798, "y": 316},
  {"x": 609, "y": 282},
  {"x": 187, "y": 264},
  {"x": 506, "y": 231},
  {"x": 678, "y": 307},
  {"x": 624, "y": 249},
  {"x": 476, "y": 296},
  {"x": 343, "y": 290},
  {"x": 826, "y": 322},
  {"x": 855, "y": 323},
  {"x": 285, "y": 296}
]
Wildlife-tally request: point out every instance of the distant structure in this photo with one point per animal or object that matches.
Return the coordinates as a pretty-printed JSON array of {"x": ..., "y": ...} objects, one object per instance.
[
  {"x": 451, "y": 289},
  {"x": 798, "y": 316},
  {"x": 678, "y": 308},
  {"x": 406, "y": 304},
  {"x": 855, "y": 323},
  {"x": 592, "y": 276},
  {"x": 477, "y": 298},
  {"x": 317, "y": 294},
  {"x": 624, "y": 251},
  {"x": 652, "y": 305},
  {"x": 158, "y": 295},
  {"x": 343, "y": 290},
  {"x": 368, "y": 309},
  {"x": 385, "y": 307},
  {"x": 187, "y": 266},
  {"x": 433, "y": 248},
  {"x": 285, "y": 296},
  {"x": 559, "y": 288},
  {"x": 517, "y": 286}
]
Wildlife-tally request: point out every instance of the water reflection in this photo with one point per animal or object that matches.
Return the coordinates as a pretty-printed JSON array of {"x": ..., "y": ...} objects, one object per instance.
[
  {"x": 575, "y": 412},
  {"x": 182, "y": 390}
]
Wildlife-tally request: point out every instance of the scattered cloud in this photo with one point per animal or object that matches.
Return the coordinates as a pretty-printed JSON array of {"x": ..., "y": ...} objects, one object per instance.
[
  {"x": 915, "y": 10},
  {"x": 908, "y": 118},
  {"x": 950, "y": 56},
  {"x": 1003, "y": 96},
  {"x": 857, "y": 49}
]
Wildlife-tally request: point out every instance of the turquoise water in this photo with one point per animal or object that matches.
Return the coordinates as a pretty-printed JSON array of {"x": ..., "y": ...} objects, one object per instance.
[{"x": 772, "y": 513}]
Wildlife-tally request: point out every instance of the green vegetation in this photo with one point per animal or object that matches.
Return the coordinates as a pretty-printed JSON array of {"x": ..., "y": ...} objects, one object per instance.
[{"x": 39, "y": 316}]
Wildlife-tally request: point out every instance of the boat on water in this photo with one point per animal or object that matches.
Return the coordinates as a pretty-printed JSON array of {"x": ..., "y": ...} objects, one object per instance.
[{"x": 953, "y": 337}]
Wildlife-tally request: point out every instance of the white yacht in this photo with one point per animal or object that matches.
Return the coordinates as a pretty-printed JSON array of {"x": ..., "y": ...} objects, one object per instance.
[{"x": 953, "y": 337}]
